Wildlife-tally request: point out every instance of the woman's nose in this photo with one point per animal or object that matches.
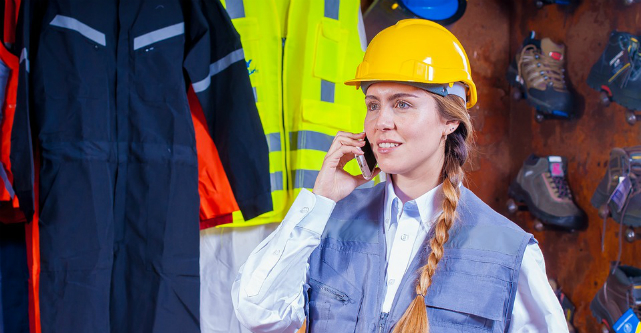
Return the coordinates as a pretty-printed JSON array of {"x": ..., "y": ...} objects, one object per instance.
[{"x": 385, "y": 120}]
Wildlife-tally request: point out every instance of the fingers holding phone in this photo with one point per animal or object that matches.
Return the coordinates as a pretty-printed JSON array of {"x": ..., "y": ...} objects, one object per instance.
[{"x": 333, "y": 182}]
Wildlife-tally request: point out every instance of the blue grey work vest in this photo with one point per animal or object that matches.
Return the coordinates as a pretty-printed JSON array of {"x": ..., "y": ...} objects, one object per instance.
[{"x": 473, "y": 289}]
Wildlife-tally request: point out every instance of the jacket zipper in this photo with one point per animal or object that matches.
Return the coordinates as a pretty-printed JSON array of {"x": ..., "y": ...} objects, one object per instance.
[
  {"x": 381, "y": 321},
  {"x": 338, "y": 295}
]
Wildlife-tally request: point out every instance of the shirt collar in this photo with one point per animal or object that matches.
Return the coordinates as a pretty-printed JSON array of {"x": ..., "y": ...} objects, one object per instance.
[{"x": 429, "y": 204}]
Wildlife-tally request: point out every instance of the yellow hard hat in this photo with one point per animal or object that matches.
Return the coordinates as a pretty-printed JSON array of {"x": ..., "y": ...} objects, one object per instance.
[{"x": 420, "y": 52}]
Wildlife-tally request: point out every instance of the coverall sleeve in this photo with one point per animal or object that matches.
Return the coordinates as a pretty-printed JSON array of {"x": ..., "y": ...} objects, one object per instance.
[
  {"x": 216, "y": 67},
  {"x": 268, "y": 291},
  {"x": 22, "y": 156}
]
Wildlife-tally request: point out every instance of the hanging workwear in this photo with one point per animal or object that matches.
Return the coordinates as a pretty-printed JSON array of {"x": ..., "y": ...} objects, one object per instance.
[
  {"x": 259, "y": 24},
  {"x": 298, "y": 52},
  {"x": 217, "y": 202},
  {"x": 9, "y": 207},
  {"x": 441, "y": 66},
  {"x": 103, "y": 91}
]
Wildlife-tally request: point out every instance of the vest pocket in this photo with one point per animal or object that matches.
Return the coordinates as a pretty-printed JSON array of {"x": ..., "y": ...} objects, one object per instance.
[
  {"x": 331, "y": 48},
  {"x": 465, "y": 302},
  {"x": 333, "y": 304}
]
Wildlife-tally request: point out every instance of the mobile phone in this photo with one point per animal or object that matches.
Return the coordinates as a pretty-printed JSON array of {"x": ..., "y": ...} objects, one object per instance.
[{"x": 367, "y": 161}]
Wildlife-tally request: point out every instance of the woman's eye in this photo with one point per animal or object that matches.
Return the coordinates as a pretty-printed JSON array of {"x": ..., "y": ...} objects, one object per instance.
[
  {"x": 372, "y": 107},
  {"x": 402, "y": 105}
]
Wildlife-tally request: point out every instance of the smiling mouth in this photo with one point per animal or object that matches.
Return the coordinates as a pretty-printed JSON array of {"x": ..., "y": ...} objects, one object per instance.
[{"x": 388, "y": 145}]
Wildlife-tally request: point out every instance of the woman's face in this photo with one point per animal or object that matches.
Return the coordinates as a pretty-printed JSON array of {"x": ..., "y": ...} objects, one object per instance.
[{"x": 405, "y": 129}]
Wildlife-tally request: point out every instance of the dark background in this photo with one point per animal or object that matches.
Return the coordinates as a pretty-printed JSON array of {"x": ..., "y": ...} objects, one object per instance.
[{"x": 491, "y": 32}]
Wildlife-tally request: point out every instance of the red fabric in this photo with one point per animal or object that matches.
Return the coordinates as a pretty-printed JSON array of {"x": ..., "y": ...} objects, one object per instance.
[
  {"x": 217, "y": 200},
  {"x": 11, "y": 8},
  {"x": 33, "y": 257}
]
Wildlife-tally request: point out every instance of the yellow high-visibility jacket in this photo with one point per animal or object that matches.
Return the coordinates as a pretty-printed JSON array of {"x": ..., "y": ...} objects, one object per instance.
[{"x": 298, "y": 54}]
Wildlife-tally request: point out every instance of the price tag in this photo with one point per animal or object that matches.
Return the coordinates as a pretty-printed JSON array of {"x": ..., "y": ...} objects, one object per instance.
[
  {"x": 628, "y": 323},
  {"x": 620, "y": 193}
]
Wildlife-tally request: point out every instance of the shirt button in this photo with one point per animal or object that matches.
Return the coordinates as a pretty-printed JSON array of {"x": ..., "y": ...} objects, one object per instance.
[
  {"x": 390, "y": 282},
  {"x": 304, "y": 210},
  {"x": 404, "y": 237},
  {"x": 277, "y": 252}
]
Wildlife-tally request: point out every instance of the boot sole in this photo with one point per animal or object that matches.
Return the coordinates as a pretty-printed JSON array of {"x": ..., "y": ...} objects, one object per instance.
[
  {"x": 541, "y": 107},
  {"x": 597, "y": 309},
  {"x": 566, "y": 222},
  {"x": 618, "y": 95}
]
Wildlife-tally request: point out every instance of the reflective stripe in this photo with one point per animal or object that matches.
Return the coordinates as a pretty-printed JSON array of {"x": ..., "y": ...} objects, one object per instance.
[
  {"x": 218, "y": 67},
  {"x": 331, "y": 8},
  {"x": 255, "y": 94},
  {"x": 273, "y": 140},
  {"x": 7, "y": 184},
  {"x": 159, "y": 35},
  {"x": 327, "y": 91},
  {"x": 276, "y": 180},
  {"x": 310, "y": 140},
  {"x": 235, "y": 8},
  {"x": 202, "y": 84},
  {"x": 75, "y": 25},
  {"x": 24, "y": 57},
  {"x": 304, "y": 178}
]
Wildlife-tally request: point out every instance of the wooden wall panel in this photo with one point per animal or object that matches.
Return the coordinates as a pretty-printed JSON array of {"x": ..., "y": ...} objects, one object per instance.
[
  {"x": 576, "y": 260},
  {"x": 491, "y": 32}
]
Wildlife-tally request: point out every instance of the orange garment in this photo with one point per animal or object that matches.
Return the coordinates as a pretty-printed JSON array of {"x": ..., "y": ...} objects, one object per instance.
[{"x": 217, "y": 201}]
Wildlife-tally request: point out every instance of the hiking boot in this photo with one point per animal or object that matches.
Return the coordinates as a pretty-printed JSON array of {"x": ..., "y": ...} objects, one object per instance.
[
  {"x": 620, "y": 292},
  {"x": 617, "y": 73},
  {"x": 542, "y": 185},
  {"x": 624, "y": 162},
  {"x": 538, "y": 70}
]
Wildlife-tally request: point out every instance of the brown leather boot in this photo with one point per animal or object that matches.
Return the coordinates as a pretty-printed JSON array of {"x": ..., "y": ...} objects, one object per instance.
[{"x": 620, "y": 292}]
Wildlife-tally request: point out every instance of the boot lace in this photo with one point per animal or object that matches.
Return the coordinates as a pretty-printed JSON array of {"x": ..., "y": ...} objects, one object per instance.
[
  {"x": 540, "y": 68},
  {"x": 560, "y": 186}
]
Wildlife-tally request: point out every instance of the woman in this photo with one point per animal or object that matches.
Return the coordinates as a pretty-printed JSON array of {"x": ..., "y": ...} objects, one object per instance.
[{"x": 418, "y": 253}]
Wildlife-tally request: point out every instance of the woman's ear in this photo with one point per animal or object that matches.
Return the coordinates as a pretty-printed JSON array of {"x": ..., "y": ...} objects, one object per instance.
[{"x": 452, "y": 125}]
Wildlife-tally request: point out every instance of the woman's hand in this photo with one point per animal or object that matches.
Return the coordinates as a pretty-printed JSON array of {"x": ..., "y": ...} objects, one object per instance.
[{"x": 333, "y": 182}]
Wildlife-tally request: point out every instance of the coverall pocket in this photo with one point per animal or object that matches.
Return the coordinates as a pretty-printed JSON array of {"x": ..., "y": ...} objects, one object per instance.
[
  {"x": 72, "y": 60},
  {"x": 333, "y": 300},
  {"x": 460, "y": 302},
  {"x": 158, "y": 68}
]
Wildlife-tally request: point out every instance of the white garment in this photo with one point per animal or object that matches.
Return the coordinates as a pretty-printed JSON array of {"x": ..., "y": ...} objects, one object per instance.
[
  {"x": 268, "y": 292},
  {"x": 222, "y": 252}
]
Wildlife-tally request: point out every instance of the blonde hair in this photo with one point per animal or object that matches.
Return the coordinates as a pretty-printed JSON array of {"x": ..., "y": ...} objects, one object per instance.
[{"x": 457, "y": 147}]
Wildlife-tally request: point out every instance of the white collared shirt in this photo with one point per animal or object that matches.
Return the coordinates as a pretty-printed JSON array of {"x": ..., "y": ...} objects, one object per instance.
[
  {"x": 406, "y": 226},
  {"x": 268, "y": 291}
]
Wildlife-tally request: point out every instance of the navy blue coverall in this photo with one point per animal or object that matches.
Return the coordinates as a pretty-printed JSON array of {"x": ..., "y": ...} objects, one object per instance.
[{"x": 102, "y": 95}]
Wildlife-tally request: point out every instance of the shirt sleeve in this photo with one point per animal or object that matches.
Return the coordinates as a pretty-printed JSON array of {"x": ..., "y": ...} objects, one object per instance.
[
  {"x": 536, "y": 307},
  {"x": 216, "y": 68},
  {"x": 268, "y": 291}
]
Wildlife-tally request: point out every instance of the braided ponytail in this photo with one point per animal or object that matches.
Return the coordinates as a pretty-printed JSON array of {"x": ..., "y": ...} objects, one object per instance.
[{"x": 457, "y": 146}]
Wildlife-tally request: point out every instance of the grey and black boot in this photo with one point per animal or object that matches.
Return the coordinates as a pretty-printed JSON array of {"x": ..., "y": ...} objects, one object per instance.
[
  {"x": 618, "y": 70},
  {"x": 624, "y": 163},
  {"x": 538, "y": 70},
  {"x": 542, "y": 185},
  {"x": 620, "y": 292}
]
